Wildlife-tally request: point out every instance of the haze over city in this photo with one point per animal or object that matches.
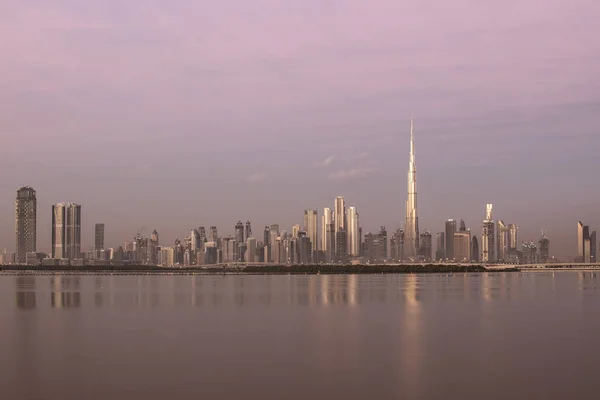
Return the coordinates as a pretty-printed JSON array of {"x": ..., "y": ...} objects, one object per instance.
[{"x": 170, "y": 116}]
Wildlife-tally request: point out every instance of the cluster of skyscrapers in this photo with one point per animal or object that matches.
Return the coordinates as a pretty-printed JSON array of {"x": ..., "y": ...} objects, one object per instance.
[{"x": 335, "y": 237}]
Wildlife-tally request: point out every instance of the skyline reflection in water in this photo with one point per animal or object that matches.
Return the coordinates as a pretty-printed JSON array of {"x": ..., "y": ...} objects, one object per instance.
[{"x": 326, "y": 336}]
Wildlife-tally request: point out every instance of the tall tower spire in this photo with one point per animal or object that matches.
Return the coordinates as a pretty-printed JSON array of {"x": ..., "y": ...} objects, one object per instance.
[{"x": 412, "y": 220}]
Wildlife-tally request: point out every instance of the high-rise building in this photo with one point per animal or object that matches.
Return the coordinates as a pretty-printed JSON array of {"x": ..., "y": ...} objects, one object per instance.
[
  {"x": 450, "y": 229},
  {"x": 274, "y": 234},
  {"x": 487, "y": 237},
  {"x": 512, "y": 237},
  {"x": 341, "y": 241},
  {"x": 593, "y": 243},
  {"x": 153, "y": 248},
  {"x": 251, "y": 249},
  {"x": 267, "y": 244},
  {"x": 214, "y": 236},
  {"x": 411, "y": 231},
  {"x": 66, "y": 231},
  {"x": 544, "y": 248},
  {"x": 440, "y": 253},
  {"x": 99, "y": 237},
  {"x": 311, "y": 223},
  {"x": 529, "y": 251},
  {"x": 353, "y": 237},
  {"x": 502, "y": 240},
  {"x": 339, "y": 214},
  {"x": 474, "y": 249},
  {"x": 330, "y": 253},
  {"x": 25, "y": 223},
  {"x": 462, "y": 246},
  {"x": 583, "y": 243},
  {"x": 248, "y": 230},
  {"x": 194, "y": 241},
  {"x": 326, "y": 220},
  {"x": 239, "y": 232},
  {"x": 425, "y": 243},
  {"x": 397, "y": 246}
]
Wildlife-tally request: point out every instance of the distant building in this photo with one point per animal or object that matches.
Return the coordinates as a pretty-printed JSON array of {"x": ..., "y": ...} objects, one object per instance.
[
  {"x": 311, "y": 226},
  {"x": 228, "y": 249},
  {"x": 25, "y": 223},
  {"x": 425, "y": 246},
  {"x": 440, "y": 252},
  {"x": 353, "y": 234},
  {"x": 529, "y": 251},
  {"x": 512, "y": 237},
  {"x": 99, "y": 237},
  {"x": 376, "y": 246},
  {"x": 341, "y": 241},
  {"x": 450, "y": 229},
  {"x": 501, "y": 240},
  {"x": 544, "y": 248},
  {"x": 474, "y": 249},
  {"x": 326, "y": 242},
  {"x": 397, "y": 246},
  {"x": 66, "y": 231},
  {"x": 304, "y": 248},
  {"x": 462, "y": 246},
  {"x": 488, "y": 249},
  {"x": 251, "y": 250},
  {"x": 248, "y": 230},
  {"x": 167, "y": 258}
]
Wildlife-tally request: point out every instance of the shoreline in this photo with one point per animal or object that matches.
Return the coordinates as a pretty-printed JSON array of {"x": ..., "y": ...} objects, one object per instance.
[{"x": 261, "y": 270}]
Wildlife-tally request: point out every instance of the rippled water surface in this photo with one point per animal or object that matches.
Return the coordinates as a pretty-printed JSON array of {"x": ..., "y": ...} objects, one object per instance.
[{"x": 458, "y": 336}]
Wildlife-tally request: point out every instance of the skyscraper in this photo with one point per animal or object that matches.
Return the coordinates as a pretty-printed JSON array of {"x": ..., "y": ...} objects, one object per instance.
[
  {"x": 512, "y": 237},
  {"x": 502, "y": 240},
  {"x": 397, "y": 246},
  {"x": 440, "y": 253},
  {"x": 462, "y": 246},
  {"x": 66, "y": 231},
  {"x": 426, "y": 245},
  {"x": 583, "y": 238},
  {"x": 99, "y": 237},
  {"x": 326, "y": 220},
  {"x": 487, "y": 237},
  {"x": 341, "y": 241},
  {"x": 239, "y": 232},
  {"x": 474, "y": 249},
  {"x": 593, "y": 247},
  {"x": 411, "y": 230},
  {"x": 353, "y": 237},
  {"x": 339, "y": 214},
  {"x": 25, "y": 223},
  {"x": 450, "y": 229},
  {"x": 248, "y": 234},
  {"x": 311, "y": 222},
  {"x": 544, "y": 248}
]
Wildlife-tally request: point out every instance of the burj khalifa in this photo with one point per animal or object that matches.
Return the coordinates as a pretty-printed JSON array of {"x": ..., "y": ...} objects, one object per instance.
[{"x": 411, "y": 230}]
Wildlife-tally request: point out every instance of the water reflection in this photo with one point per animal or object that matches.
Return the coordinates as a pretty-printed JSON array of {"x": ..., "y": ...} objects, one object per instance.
[
  {"x": 65, "y": 291},
  {"x": 25, "y": 293},
  {"x": 320, "y": 291}
]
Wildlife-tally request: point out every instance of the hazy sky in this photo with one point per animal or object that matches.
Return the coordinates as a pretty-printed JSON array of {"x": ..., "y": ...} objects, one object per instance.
[{"x": 173, "y": 114}]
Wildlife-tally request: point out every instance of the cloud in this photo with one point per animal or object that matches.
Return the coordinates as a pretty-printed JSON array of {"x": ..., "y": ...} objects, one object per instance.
[
  {"x": 257, "y": 177},
  {"x": 326, "y": 162},
  {"x": 354, "y": 173}
]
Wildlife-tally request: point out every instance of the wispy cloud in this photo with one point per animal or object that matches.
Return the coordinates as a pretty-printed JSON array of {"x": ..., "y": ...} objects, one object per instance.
[
  {"x": 354, "y": 173},
  {"x": 326, "y": 162},
  {"x": 257, "y": 177}
]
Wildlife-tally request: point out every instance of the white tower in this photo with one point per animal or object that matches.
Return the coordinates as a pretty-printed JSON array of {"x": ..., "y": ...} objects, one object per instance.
[{"x": 412, "y": 220}]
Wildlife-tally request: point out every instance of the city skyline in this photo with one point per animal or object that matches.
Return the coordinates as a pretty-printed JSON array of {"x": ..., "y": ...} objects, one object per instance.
[{"x": 507, "y": 103}]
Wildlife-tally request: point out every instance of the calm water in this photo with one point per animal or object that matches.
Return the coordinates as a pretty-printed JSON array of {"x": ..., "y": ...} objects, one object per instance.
[{"x": 492, "y": 336}]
